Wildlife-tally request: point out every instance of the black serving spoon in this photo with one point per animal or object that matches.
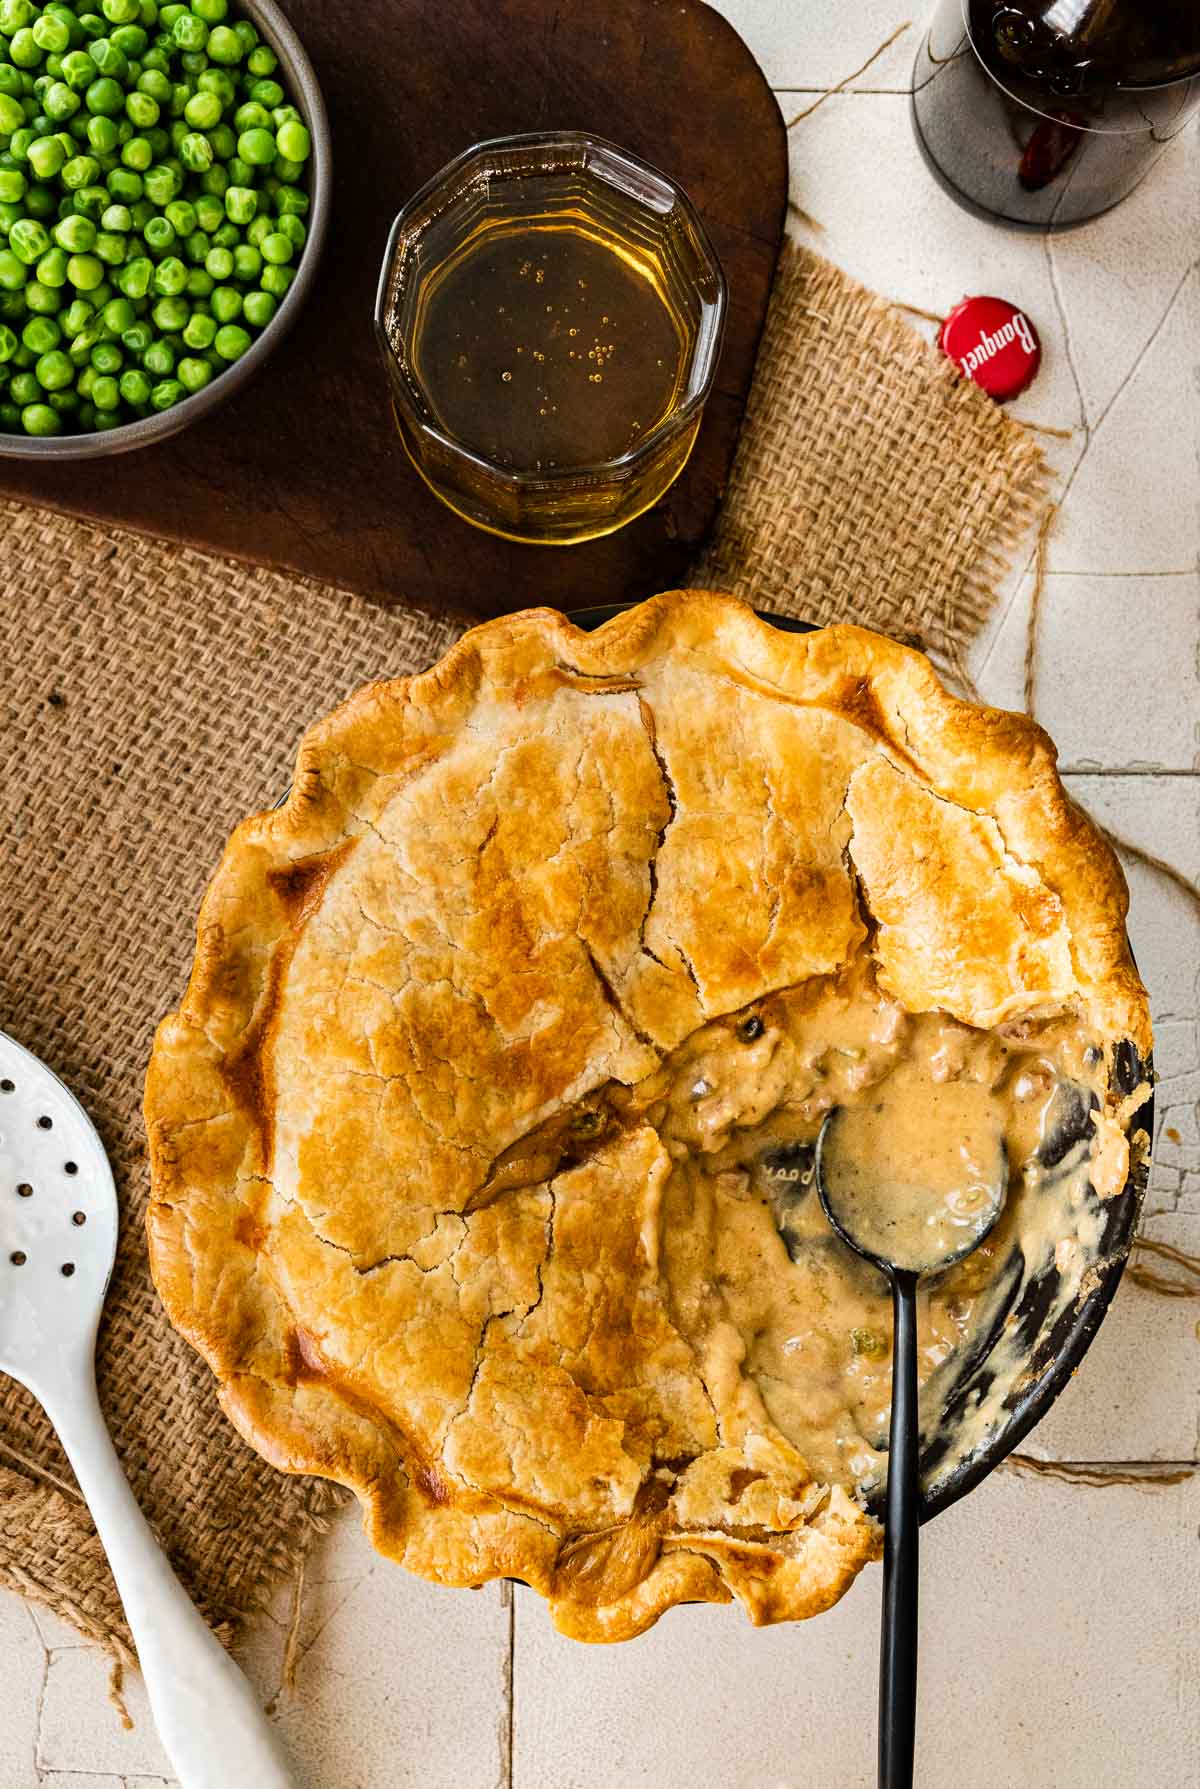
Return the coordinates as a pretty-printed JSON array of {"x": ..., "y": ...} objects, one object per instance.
[{"x": 843, "y": 1169}]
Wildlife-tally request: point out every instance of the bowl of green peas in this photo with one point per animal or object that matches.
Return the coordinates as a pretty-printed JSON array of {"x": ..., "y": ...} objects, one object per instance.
[{"x": 165, "y": 178}]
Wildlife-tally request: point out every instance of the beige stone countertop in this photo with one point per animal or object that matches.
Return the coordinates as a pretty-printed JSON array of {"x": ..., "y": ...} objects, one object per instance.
[{"x": 1059, "y": 1618}]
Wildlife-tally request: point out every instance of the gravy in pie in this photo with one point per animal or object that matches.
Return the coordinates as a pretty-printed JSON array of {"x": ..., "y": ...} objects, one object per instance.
[
  {"x": 755, "y": 1277},
  {"x": 916, "y": 1175}
]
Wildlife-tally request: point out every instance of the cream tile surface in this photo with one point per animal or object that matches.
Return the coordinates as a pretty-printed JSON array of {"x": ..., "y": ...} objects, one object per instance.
[
  {"x": 1057, "y": 1649},
  {"x": 1059, "y": 1621}
]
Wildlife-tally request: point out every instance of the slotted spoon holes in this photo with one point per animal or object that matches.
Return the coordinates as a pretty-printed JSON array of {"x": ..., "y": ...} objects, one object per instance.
[{"x": 58, "y": 1213}]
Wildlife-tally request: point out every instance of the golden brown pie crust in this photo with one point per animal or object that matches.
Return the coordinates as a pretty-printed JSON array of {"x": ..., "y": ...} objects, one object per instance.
[{"x": 495, "y": 888}]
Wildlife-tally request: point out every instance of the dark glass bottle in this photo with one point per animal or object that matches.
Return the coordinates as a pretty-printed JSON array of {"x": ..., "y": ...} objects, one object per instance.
[{"x": 1047, "y": 112}]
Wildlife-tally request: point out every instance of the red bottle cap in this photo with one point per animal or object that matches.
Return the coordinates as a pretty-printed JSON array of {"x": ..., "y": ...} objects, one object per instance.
[{"x": 993, "y": 343}]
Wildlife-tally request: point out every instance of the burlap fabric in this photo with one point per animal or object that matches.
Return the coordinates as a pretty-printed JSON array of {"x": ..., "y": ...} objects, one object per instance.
[{"x": 151, "y": 697}]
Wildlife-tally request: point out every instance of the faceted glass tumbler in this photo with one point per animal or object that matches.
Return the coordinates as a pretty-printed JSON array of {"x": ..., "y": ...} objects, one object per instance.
[{"x": 610, "y": 196}]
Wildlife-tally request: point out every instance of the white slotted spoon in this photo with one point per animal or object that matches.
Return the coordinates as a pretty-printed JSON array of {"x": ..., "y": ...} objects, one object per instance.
[{"x": 58, "y": 1237}]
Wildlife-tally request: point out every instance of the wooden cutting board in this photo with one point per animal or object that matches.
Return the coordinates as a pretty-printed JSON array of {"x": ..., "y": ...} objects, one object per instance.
[{"x": 304, "y": 470}]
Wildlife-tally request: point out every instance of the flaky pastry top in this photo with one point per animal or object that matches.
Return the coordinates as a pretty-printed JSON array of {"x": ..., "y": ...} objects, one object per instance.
[{"x": 526, "y": 875}]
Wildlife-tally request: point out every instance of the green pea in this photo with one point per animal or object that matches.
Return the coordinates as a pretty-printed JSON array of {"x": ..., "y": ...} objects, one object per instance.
[
  {"x": 24, "y": 51},
  {"x": 41, "y": 334},
  {"x": 216, "y": 80},
  {"x": 121, "y": 12},
  {"x": 137, "y": 154},
  {"x": 227, "y": 236},
  {"x": 199, "y": 283},
  {"x": 125, "y": 185},
  {"x": 196, "y": 152},
  {"x": 76, "y": 316},
  {"x": 40, "y": 419},
  {"x": 211, "y": 11},
  {"x": 293, "y": 141},
  {"x": 90, "y": 201},
  {"x": 52, "y": 268},
  {"x": 25, "y": 388},
  {"x": 13, "y": 273},
  {"x": 106, "y": 393},
  {"x": 259, "y": 228},
  {"x": 276, "y": 280},
  {"x": 76, "y": 234},
  {"x": 12, "y": 114},
  {"x": 42, "y": 300},
  {"x": 262, "y": 60},
  {"x": 141, "y": 211},
  {"x": 19, "y": 142},
  {"x": 61, "y": 102},
  {"x": 8, "y": 217},
  {"x": 28, "y": 240},
  {"x": 155, "y": 85},
  {"x": 240, "y": 172},
  {"x": 194, "y": 373},
  {"x": 8, "y": 343},
  {"x": 267, "y": 93},
  {"x": 81, "y": 170},
  {"x": 232, "y": 341},
  {"x": 196, "y": 247},
  {"x": 170, "y": 278},
  {"x": 49, "y": 33},
  {"x": 162, "y": 184},
  {"x": 78, "y": 70},
  {"x": 54, "y": 370},
  {"x": 200, "y": 331},
  {"x": 241, "y": 203},
  {"x": 246, "y": 35},
  {"x": 103, "y": 135},
  {"x": 225, "y": 46},
  {"x": 219, "y": 262},
  {"x": 107, "y": 357},
  {"x": 258, "y": 308},
  {"x": 251, "y": 116},
  {"x": 189, "y": 32},
  {"x": 293, "y": 228},
  {"x": 159, "y": 359},
  {"x": 138, "y": 337},
  {"x": 247, "y": 262},
  {"x": 226, "y": 303},
  {"x": 85, "y": 272},
  {"x": 64, "y": 403},
  {"x": 141, "y": 110},
  {"x": 111, "y": 247},
  {"x": 214, "y": 180},
  {"x": 181, "y": 215},
  {"x": 202, "y": 111},
  {"x": 12, "y": 185},
  {"x": 257, "y": 146},
  {"x": 166, "y": 393},
  {"x": 159, "y": 234},
  {"x": 116, "y": 217},
  {"x": 134, "y": 386},
  {"x": 119, "y": 315},
  {"x": 109, "y": 58},
  {"x": 210, "y": 212},
  {"x": 132, "y": 39},
  {"x": 288, "y": 170},
  {"x": 171, "y": 313}
]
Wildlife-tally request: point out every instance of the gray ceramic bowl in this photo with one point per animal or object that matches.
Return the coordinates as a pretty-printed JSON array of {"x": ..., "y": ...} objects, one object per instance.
[{"x": 296, "y": 74}]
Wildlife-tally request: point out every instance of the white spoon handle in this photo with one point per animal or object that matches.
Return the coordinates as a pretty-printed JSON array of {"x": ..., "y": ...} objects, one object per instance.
[{"x": 210, "y": 1722}]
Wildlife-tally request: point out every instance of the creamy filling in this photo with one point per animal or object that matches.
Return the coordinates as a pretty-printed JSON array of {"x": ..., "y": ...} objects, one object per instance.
[
  {"x": 916, "y": 1175},
  {"x": 767, "y": 1295}
]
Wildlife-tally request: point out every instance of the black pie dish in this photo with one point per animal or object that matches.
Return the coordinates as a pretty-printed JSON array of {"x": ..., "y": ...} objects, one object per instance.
[{"x": 1047, "y": 1339}]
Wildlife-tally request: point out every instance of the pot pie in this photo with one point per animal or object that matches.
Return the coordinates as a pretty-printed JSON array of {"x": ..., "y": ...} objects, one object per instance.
[{"x": 482, "y": 1141}]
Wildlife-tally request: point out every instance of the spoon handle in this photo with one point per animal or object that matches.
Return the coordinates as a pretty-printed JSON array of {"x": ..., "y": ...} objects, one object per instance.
[
  {"x": 898, "y": 1639},
  {"x": 211, "y": 1724}
]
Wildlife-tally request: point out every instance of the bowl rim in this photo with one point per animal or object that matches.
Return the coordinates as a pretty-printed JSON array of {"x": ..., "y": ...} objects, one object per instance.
[
  {"x": 267, "y": 17},
  {"x": 621, "y": 467}
]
